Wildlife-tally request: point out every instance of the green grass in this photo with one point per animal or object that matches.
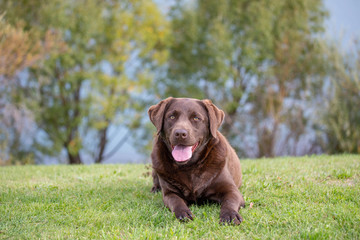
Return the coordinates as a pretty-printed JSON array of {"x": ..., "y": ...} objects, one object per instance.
[{"x": 291, "y": 198}]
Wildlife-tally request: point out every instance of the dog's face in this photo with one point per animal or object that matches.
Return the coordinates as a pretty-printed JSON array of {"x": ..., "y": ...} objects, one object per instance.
[{"x": 186, "y": 125}]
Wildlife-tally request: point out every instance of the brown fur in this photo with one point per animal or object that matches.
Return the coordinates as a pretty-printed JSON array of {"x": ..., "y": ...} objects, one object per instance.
[{"x": 212, "y": 174}]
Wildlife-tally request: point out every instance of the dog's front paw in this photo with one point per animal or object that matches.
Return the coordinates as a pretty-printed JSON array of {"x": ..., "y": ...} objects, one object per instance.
[
  {"x": 230, "y": 217},
  {"x": 183, "y": 215}
]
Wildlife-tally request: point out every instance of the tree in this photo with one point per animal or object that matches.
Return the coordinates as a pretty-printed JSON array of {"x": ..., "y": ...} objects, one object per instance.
[
  {"x": 250, "y": 57},
  {"x": 19, "y": 49},
  {"x": 111, "y": 49},
  {"x": 340, "y": 116}
]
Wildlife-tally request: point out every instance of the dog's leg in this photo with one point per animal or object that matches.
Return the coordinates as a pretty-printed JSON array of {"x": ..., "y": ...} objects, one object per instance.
[
  {"x": 231, "y": 202},
  {"x": 177, "y": 205},
  {"x": 156, "y": 184}
]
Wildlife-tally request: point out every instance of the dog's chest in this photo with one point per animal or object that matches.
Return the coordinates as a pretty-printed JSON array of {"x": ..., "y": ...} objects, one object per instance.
[{"x": 193, "y": 186}]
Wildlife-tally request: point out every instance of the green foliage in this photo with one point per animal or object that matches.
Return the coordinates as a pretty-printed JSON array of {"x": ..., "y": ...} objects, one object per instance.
[
  {"x": 246, "y": 53},
  {"x": 110, "y": 50},
  {"x": 341, "y": 117},
  {"x": 19, "y": 49},
  {"x": 91, "y": 65},
  {"x": 288, "y": 198}
]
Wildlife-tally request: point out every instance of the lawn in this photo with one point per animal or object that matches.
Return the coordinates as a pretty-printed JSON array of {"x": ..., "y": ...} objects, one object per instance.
[{"x": 286, "y": 198}]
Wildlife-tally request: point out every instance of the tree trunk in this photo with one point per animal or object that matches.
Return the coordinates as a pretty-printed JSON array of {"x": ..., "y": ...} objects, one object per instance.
[
  {"x": 74, "y": 158},
  {"x": 102, "y": 144},
  {"x": 266, "y": 141}
]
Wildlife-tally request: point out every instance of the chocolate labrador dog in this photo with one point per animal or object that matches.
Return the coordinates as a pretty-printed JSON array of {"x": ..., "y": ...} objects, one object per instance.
[{"x": 192, "y": 161}]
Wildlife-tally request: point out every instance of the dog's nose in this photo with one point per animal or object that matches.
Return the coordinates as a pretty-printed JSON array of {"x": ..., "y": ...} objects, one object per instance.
[{"x": 181, "y": 133}]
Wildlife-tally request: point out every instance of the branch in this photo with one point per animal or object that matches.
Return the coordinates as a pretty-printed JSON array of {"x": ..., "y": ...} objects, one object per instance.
[{"x": 118, "y": 145}]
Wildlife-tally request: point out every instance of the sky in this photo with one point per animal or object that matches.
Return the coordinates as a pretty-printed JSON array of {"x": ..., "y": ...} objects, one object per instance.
[
  {"x": 344, "y": 20},
  {"x": 342, "y": 25}
]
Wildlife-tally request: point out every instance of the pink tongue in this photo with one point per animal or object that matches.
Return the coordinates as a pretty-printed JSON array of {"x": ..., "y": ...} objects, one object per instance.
[{"x": 182, "y": 153}]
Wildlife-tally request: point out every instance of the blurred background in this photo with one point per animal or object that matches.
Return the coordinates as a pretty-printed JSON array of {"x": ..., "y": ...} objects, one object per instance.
[{"x": 77, "y": 77}]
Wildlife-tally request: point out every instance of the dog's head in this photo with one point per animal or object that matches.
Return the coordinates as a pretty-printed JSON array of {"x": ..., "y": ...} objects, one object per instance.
[{"x": 186, "y": 125}]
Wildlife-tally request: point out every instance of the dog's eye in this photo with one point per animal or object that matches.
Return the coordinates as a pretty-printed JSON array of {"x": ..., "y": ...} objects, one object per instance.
[
  {"x": 196, "y": 119},
  {"x": 172, "y": 117}
]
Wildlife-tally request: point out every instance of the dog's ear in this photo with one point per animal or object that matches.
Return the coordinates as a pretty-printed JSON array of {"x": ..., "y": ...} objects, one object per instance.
[
  {"x": 156, "y": 113},
  {"x": 216, "y": 116}
]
